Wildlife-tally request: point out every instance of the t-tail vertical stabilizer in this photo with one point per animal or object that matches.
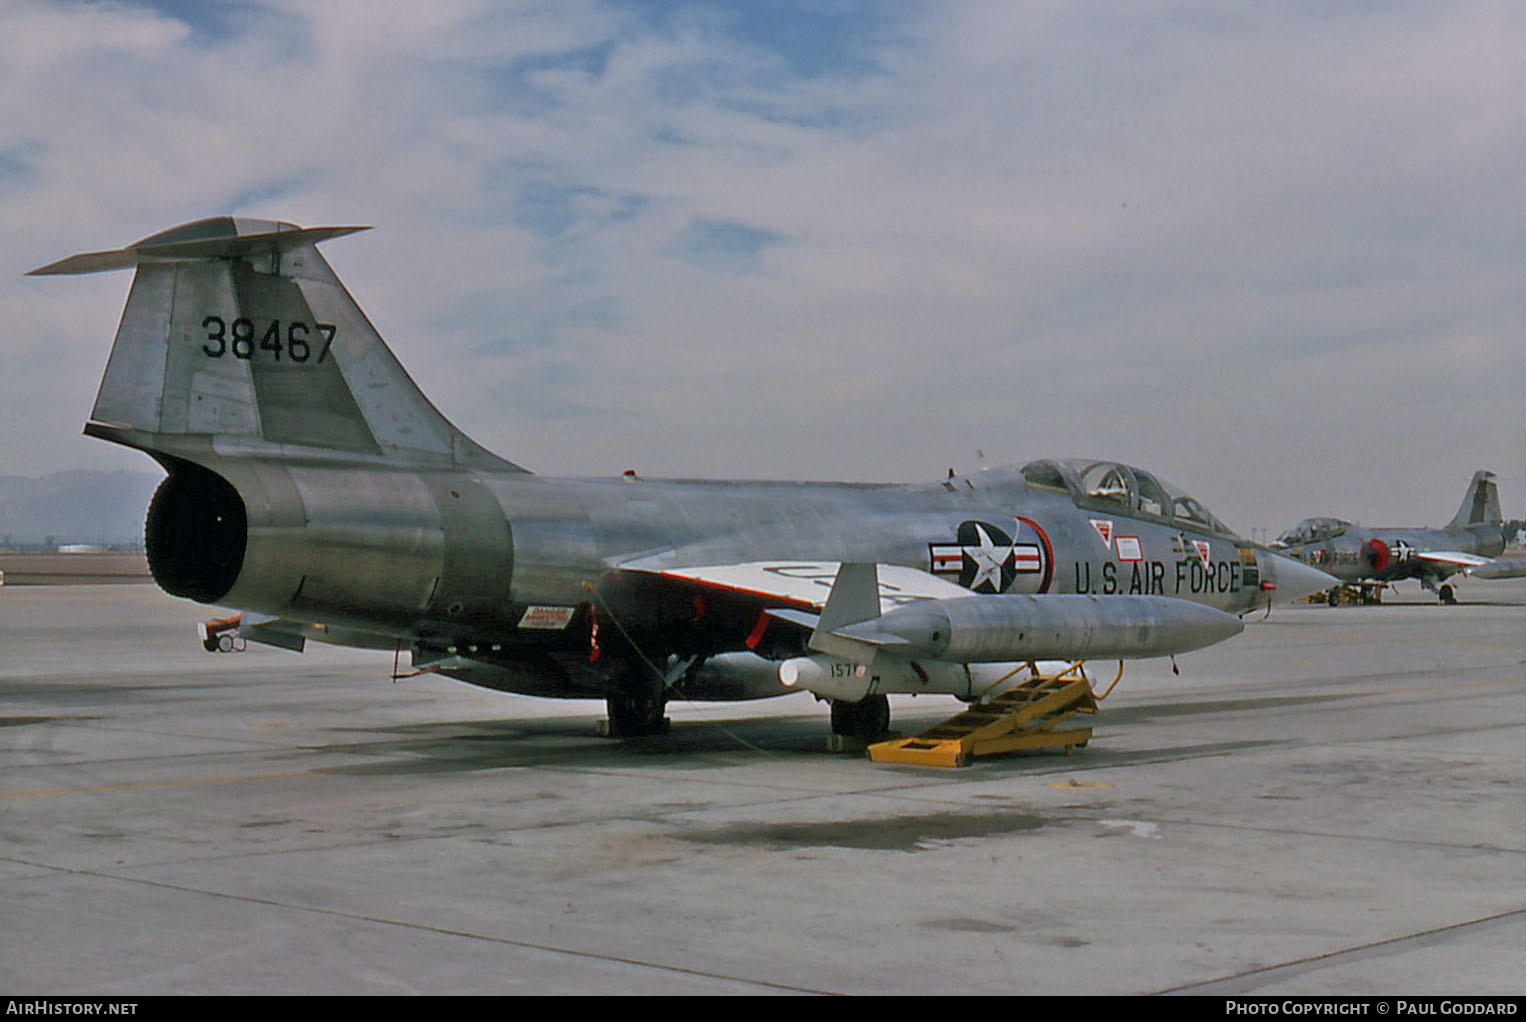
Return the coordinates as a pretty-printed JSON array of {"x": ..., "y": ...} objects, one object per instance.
[
  {"x": 238, "y": 339},
  {"x": 1481, "y": 505}
]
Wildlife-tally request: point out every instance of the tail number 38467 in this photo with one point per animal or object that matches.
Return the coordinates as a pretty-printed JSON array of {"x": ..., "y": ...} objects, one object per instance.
[{"x": 245, "y": 339}]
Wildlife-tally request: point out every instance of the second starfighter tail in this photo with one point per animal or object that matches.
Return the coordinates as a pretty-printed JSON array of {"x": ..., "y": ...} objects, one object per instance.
[
  {"x": 238, "y": 336},
  {"x": 1481, "y": 506}
]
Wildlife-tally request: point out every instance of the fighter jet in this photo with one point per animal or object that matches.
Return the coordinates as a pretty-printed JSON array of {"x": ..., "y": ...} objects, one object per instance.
[
  {"x": 312, "y": 486},
  {"x": 1366, "y": 560}
]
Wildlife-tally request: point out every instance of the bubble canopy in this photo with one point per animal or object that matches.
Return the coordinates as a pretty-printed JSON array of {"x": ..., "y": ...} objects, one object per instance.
[
  {"x": 1311, "y": 530},
  {"x": 1121, "y": 489}
]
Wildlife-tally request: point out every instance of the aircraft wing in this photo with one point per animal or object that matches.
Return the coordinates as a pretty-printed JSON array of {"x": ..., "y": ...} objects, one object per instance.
[
  {"x": 805, "y": 584},
  {"x": 1452, "y": 557},
  {"x": 744, "y": 598}
]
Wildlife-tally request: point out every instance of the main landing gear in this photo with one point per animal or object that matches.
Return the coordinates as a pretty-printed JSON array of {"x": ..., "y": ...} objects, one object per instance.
[
  {"x": 1447, "y": 595},
  {"x": 637, "y": 704},
  {"x": 866, "y": 720}
]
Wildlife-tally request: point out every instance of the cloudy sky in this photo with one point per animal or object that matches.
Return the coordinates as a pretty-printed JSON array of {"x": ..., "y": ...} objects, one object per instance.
[{"x": 1275, "y": 253}]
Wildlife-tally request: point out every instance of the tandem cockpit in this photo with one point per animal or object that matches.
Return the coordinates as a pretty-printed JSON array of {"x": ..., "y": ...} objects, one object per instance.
[
  {"x": 1121, "y": 489},
  {"x": 1312, "y": 530}
]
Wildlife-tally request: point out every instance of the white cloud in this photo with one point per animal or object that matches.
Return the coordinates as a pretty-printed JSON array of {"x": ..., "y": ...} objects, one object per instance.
[{"x": 1273, "y": 255}]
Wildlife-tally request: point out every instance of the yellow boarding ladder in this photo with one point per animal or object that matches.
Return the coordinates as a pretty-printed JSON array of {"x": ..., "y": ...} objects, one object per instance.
[{"x": 1023, "y": 717}]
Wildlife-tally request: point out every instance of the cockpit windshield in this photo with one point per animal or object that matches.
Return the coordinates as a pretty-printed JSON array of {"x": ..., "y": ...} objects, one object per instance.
[
  {"x": 1312, "y": 530},
  {"x": 1111, "y": 486}
]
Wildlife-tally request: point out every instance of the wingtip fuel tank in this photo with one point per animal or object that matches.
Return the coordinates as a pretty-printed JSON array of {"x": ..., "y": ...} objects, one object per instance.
[{"x": 982, "y": 629}]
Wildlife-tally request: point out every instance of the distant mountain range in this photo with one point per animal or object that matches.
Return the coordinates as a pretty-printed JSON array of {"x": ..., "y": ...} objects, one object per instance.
[{"x": 82, "y": 506}]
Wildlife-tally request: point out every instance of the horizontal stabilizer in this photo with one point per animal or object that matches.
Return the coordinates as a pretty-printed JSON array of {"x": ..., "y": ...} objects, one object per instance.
[{"x": 216, "y": 238}]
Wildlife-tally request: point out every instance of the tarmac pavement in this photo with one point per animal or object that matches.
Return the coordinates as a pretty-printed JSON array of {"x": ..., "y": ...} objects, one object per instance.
[{"x": 1333, "y": 802}]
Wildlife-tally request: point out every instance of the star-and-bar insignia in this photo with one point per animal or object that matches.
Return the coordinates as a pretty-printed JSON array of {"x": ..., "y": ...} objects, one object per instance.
[
  {"x": 985, "y": 559},
  {"x": 947, "y": 558}
]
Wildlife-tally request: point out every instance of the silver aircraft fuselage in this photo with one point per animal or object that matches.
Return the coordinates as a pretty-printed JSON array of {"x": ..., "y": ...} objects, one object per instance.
[{"x": 516, "y": 567}]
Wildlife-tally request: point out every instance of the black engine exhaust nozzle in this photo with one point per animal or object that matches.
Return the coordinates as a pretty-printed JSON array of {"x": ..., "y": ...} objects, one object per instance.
[{"x": 196, "y": 534}]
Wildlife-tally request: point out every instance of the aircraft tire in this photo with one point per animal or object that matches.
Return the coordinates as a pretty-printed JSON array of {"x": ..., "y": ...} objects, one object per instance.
[
  {"x": 1333, "y": 598},
  {"x": 1447, "y": 595},
  {"x": 637, "y": 705},
  {"x": 868, "y": 719}
]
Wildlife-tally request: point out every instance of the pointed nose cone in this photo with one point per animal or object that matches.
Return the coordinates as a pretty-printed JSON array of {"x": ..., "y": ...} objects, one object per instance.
[
  {"x": 1295, "y": 579},
  {"x": 1181, "y": 626}
]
